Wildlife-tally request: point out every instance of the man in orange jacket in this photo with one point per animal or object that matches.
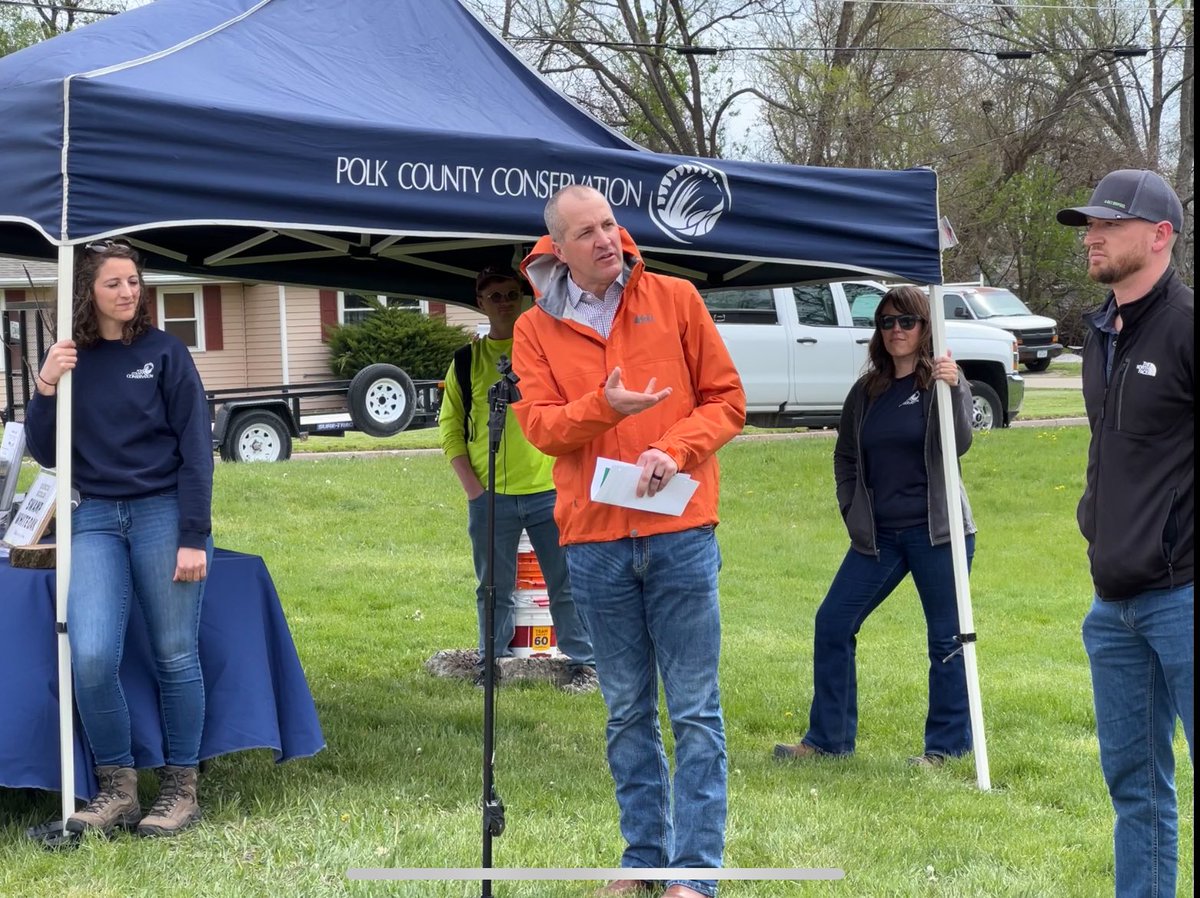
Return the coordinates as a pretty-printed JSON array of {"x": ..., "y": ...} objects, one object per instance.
[{"x": 645, "y": 582}]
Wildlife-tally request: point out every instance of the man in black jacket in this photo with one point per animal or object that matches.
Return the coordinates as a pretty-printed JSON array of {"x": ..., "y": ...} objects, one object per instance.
[{"x": 1138, "y": 514}]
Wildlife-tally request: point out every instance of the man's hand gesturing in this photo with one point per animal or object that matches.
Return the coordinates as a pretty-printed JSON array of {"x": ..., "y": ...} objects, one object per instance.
[{"x": 630, "y": 402}]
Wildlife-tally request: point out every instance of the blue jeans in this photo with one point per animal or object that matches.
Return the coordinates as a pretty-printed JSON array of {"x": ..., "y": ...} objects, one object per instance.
[
  {"x": 1141, "y": 653},
  {"x": 533, "y": 513},
  {"x": 122, "y": 550},
  {"x": 861, "y": 585},
  {"x": 651, "y": 607}
]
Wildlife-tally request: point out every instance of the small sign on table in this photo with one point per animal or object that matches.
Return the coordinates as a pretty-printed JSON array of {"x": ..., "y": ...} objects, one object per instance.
[
  {"x": 32, "y": 518},
  {"x": 12, "y": 448}
]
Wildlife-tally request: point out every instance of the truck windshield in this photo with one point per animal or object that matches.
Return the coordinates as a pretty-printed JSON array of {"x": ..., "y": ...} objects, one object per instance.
[{"x": 995, "y": 303}]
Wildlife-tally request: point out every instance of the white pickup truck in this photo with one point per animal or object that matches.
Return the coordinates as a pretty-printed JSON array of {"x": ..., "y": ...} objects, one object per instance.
[{"x": 799, "y": 349}]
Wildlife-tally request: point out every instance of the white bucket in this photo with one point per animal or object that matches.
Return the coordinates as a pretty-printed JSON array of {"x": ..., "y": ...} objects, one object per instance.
[
  {"x": 524, "y": 544},
  {"x": 531, "y": 598},
  {"x": 533, "y": 634}
]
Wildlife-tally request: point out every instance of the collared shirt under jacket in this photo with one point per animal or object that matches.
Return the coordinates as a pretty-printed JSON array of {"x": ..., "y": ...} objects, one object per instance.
[{"x": 661, "y": 330}]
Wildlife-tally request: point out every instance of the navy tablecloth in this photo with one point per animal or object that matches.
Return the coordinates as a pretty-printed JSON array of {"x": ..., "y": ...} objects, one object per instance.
[{"x": 256, "y": 693}]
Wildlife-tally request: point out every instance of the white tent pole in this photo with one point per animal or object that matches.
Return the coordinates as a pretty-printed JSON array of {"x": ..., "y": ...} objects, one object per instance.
[
  {"x": 958, "y": 543},
  {"x": 62, "y": 467},
  {"x": 285, "y": 371}
]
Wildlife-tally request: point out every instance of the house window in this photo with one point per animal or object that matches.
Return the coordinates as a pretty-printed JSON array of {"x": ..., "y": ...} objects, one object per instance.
[
  {"x": 180, "y": 313},
  {"x": 353, "y": 308}
]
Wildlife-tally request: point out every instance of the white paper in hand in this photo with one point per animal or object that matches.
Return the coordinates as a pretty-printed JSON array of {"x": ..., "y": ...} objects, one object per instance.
[{"x": 615, "y": 483}]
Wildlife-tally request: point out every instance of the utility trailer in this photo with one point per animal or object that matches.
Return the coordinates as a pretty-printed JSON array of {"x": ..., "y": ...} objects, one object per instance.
[
  {"x": 259, "y": 423},
  {"x": 250, "y": 423}
]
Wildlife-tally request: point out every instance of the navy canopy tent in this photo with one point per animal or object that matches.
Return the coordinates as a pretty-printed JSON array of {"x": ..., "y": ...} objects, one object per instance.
[{"x": 390, "y": 146}]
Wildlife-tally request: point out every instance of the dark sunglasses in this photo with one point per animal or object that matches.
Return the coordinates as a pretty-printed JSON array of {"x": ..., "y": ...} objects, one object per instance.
[
  {"x": 109, "y": 246},
  {"x": 906, "y": 322},
  {"x": 497, "y": 296}
]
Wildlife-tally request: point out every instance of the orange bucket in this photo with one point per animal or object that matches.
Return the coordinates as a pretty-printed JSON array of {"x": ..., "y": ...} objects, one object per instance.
[{"x": 528, "y": 568}]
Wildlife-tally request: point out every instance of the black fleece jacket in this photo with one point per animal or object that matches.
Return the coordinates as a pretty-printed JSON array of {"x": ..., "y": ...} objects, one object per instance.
[{"x": 1138, "y": 510}]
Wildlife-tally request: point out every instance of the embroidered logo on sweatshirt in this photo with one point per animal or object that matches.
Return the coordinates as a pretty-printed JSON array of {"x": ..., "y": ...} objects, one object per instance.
[
  {"x": 912, "y": 400},
  {"x": 1147, "y": 368},
  {"x": 146, "y": 372},
  {"x": 642, "y": 319}
]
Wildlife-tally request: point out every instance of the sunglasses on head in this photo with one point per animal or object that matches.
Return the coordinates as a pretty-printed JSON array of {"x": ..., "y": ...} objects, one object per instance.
[
  {"x": 497, "y": 296},
  {"x": 109, "y": 246},
  {"x": 906, "y": 322}
]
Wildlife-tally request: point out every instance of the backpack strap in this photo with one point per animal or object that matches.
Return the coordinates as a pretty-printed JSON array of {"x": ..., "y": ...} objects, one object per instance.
[{"x": 462, "y": 373}]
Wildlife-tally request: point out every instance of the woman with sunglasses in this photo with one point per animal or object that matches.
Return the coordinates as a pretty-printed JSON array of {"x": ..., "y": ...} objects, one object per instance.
[
  {"x": 891, "y": 489},
  {"x": 143, "y": 467}
]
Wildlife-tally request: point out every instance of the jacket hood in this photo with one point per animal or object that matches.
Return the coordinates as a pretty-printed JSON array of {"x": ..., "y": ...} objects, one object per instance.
[{"x": 548, "y": 275}]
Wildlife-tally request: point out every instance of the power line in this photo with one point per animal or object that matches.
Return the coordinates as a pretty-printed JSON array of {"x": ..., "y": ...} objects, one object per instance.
[
  {"x": 1018, "y": 7},
  {"x": 695, "y": 50}
]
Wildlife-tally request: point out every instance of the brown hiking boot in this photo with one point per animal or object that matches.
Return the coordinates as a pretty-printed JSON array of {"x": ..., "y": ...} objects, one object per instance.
[
  {"x": 115, "y": 806},
  {"x": 625, "y": 888},
  {"x": 176, "y": 807}
]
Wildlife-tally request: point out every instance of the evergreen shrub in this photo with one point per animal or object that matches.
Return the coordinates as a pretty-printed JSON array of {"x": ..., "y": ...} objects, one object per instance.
[{"x": 423, "y": 347}]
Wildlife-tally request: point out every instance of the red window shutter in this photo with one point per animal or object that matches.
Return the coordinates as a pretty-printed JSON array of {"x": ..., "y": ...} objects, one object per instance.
[
  {"x": 152, "y": 304},
  {"x": 437, "y": 310},
  {"x": 214, "y": 332},
  {"x": 329, "y": 316}
]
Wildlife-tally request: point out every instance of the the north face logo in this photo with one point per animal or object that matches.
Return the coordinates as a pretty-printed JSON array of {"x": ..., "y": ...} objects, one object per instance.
[
  {"x": 146, "y": 372},
  {"x": 1147, "y": 368}
]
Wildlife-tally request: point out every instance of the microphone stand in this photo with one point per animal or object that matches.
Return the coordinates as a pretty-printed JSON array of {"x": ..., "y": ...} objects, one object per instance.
[{"x": 500, "y": 395}]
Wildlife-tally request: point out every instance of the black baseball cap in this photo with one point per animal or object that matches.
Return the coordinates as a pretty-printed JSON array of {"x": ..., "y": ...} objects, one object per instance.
[
  {"x": 494, "y": 273},
  {"x": 1129, "y": 193}
]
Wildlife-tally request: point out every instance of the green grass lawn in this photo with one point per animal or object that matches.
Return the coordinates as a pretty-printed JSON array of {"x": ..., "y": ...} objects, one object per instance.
[
  {"x": 1051, "y": 405},
  {"x": 1038, "y": 404},
  {"x": 371, "y": 561},
  {"x": 1062, "y": 368}
]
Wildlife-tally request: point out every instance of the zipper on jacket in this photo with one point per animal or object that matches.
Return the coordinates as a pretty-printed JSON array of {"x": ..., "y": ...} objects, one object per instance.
[{"x": 1119, "y": 384}]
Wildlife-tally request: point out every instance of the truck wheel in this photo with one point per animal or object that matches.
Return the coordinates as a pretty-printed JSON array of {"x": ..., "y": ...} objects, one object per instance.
[
  {"x": 1038, "y": 365},
  {"x": 257, "y": 436},
  {"x": 382, "y": 400},
  {"x": 986, "y": 412}
]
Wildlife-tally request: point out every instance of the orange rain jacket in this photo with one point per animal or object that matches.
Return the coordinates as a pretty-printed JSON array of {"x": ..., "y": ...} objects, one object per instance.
[{"x": 662, "y": 330}]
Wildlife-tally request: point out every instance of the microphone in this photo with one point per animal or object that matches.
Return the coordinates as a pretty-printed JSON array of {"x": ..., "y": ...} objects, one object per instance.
[{"x": 504, "y": 366}]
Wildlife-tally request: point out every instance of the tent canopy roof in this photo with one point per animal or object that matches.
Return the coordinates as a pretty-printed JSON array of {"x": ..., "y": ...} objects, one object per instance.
[{"x": 391, "y": 146}]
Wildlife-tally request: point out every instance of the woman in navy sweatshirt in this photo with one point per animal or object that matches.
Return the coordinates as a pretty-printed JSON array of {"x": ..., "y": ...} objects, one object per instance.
[{"x": 143, "y": 467}]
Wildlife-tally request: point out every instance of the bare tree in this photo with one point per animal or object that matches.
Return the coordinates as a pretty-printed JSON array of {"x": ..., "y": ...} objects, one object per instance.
[
  {"x": 36, "y": 20},
  {"x": 1102, "y": 85},
  {"x": 1019, "y": 106},
  {"x": 650, "y": 68}
]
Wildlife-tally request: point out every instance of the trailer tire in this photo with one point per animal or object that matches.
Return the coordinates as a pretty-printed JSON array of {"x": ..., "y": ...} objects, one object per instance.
[
  {"x": 986, "y": 409},
  {"x": 382, "y": 400},
  {"x": 257, "y": 436}
]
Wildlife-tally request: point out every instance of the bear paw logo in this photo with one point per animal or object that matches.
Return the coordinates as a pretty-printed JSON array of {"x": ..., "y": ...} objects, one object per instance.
[{"x": 689, "y": 200}]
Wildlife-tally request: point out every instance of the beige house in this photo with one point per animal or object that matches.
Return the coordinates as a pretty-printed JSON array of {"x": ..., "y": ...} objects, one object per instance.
[{"x": 240, "y": 335}]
